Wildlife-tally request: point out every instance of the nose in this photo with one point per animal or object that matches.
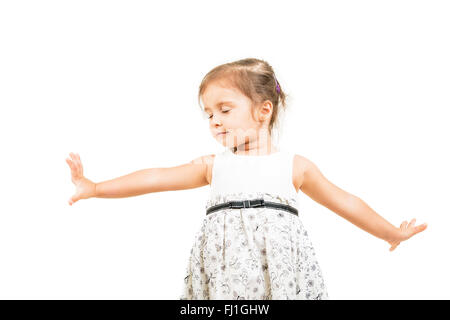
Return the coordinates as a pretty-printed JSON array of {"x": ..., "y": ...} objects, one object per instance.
[
  {"x": 215, "y": 125},
  {"x": 216, "y": 122}
]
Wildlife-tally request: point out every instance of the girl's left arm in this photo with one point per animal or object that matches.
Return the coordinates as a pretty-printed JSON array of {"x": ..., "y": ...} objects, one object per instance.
[{"x": 351, "y": 207}]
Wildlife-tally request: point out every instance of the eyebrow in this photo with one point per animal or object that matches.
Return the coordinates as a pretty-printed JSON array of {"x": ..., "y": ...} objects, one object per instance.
[{"x": 220, "y": 104}]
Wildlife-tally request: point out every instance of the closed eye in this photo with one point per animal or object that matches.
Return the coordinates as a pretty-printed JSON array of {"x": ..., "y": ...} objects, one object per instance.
[{"x": 225, "y": 111}]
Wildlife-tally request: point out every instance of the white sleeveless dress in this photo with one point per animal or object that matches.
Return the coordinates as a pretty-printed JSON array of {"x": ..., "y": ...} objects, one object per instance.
[{"x": 253, "y": 253}]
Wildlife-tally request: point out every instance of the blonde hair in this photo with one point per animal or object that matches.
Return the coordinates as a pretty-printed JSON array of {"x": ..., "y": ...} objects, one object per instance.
[{"x": 255, "y": 78}]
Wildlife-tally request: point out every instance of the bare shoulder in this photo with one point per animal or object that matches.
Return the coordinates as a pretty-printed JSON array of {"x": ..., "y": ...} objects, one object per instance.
[
  {"x": 301, "y": 164},
  {"x": 207, "y": 161}
]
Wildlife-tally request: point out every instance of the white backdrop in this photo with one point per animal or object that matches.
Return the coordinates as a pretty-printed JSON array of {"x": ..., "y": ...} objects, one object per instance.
[{"x": 117, "y": 81}]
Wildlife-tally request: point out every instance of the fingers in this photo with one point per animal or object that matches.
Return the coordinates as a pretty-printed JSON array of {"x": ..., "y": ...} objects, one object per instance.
[
  {"x": 72, "y": 164},
  {"x": 77, "y": 171},
  {"x": 75, "y": 159},
  {"x": 411, "y": 224},
  {"x": 416, "y": 229},
  {"x": 420, "y": 228},
  {"x": 80, "y": 166},
  {"x": 393, "y": 247},
  {"x": 75, "y": 164},
  {"x": 403, "y": 225},
  {"x": 72, "y": 160},
  {"x": 408, "y": 230},
  {"x": 69, "y": 162},
  {"x": 74, "y": 198}
]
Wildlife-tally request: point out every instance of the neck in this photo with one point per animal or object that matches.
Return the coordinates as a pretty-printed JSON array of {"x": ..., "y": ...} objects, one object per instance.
[{"x": 255, "y": 147}]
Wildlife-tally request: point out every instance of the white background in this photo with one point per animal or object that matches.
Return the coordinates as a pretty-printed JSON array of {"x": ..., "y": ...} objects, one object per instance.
[{"x": 117, "y": 81}]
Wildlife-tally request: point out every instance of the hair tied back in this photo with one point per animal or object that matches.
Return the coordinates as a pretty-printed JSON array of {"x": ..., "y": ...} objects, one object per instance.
[{"x": 278, "y": 85}]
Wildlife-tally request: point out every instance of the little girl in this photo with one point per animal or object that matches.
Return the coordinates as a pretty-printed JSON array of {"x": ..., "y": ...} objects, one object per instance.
[{"x": 251, "y": 244}]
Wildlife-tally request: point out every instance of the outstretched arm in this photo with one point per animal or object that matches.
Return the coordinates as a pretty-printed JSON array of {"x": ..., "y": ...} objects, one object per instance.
[
  {"x": 351, "y": 207},
  {"x": 185, "y": 176}
]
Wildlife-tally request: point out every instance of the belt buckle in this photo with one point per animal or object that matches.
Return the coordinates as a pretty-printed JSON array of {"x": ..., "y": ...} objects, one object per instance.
[
  {"x": 260, "y": 203},
  {"x": 247, "y": 204},
  {"x": 235, "y": 205}
]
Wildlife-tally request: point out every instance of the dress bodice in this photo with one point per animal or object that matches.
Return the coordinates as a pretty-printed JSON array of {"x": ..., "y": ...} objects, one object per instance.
[{"x": 250, "y": 174}]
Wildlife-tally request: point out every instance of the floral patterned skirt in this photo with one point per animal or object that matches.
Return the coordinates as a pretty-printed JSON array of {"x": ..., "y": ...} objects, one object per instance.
[{"x": 252, "y": 253}]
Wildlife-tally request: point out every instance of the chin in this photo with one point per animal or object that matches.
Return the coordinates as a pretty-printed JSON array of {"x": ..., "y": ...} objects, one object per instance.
[{"x": 227, "y": 140}]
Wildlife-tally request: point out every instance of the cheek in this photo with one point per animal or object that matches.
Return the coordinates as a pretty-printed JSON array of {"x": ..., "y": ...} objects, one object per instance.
[{"x": 241, "y": 120}]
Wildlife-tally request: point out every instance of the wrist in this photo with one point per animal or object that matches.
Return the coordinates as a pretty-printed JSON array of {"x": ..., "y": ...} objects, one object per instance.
[
  {"x": 394, "y": 235},
  {"x": 95, "y": 190}
]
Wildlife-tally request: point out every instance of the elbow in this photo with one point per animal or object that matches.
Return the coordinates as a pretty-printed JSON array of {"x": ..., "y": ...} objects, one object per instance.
[{"x": 354, "y": 203}]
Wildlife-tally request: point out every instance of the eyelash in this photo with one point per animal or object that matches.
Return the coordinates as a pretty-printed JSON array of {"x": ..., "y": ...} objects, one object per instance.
[{"x": 222, "y": 112}]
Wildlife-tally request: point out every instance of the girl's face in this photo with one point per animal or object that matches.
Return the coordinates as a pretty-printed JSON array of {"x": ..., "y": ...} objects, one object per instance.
[{"x": 230, "y": 111}]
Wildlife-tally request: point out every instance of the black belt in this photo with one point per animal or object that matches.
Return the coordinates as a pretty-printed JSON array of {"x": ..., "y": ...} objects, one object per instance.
[{"x": 256, "y": 203}]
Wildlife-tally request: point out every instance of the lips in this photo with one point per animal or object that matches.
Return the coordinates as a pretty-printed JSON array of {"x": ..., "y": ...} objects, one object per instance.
[{"x": 220, "y": 133}]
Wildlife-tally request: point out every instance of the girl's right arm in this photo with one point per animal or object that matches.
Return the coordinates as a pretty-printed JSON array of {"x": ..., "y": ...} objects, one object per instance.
[{"x": 185, "y": 176}]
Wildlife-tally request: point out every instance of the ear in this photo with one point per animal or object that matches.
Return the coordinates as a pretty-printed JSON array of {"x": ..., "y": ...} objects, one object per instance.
[{"x": 265, "y": 111}]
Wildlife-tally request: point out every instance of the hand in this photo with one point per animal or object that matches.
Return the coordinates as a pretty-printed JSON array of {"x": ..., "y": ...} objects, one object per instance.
[
  {"x": 406, "y": 231},
  {"x": 85, "y": 187}
]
